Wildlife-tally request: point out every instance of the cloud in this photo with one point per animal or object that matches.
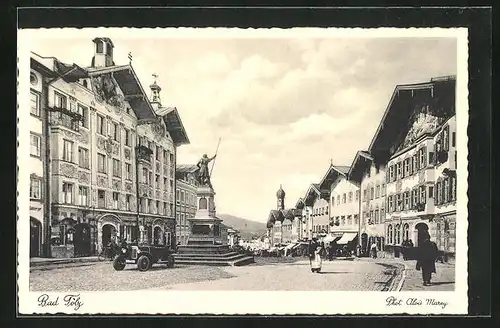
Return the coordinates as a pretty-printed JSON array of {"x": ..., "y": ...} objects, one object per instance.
[{"x": 283, "y": 107}]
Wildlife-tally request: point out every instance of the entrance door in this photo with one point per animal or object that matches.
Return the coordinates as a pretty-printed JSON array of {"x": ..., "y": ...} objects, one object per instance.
[
  {"x": 157, "y": 240},
  {"x": 422, "y": 232},
  {"x": 108, "y": 233},
  {"x": 82, "y": 240},
  {"x": 35, "y": 237}
]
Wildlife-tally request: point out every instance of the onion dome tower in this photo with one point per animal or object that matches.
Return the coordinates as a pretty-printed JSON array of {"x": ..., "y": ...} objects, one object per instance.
[{"x": 280, "y": 194}]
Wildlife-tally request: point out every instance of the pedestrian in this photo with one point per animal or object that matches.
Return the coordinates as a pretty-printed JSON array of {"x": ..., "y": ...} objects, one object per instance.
[
  {"x": 358, "y": 250},
  {"x": 328, "y": 251},
  {"x": 311, "y": 251},
  {"x": 319, "y": 252},
  {"x": 373, "y": 250},
  {"x": 427, "y": 254}
]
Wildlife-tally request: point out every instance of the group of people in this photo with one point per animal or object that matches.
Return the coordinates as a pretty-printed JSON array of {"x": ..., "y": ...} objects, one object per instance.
[{"x": 427, "y": 253}]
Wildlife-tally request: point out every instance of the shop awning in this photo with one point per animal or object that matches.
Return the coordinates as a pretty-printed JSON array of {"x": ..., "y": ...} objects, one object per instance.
[{"x": 347, "y": 237}]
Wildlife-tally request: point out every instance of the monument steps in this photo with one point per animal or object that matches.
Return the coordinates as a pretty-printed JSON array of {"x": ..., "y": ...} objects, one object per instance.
[
  {"x": 243, "y": 260},
  {"x": 215, "y": 257}
]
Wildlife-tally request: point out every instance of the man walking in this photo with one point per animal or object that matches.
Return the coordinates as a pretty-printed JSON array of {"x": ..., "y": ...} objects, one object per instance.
[{"x": 426, "y": 260}]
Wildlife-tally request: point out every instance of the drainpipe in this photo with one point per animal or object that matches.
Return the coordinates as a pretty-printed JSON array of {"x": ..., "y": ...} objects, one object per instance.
[{"x": 47, "y": 208}]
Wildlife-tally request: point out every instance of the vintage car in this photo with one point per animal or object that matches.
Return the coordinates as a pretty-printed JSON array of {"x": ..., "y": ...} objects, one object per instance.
[{"x": 144, "y": 256}]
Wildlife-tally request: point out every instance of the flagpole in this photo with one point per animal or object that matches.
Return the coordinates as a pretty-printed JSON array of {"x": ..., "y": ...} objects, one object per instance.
[{"x": 213, "y": 163}]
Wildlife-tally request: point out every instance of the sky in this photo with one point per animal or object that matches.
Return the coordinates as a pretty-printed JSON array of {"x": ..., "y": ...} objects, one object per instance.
[{"x": 284, "y": 108}]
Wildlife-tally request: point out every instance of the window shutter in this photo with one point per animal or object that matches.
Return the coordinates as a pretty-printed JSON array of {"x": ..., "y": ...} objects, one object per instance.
[
  {"x": 410, "y": 166},
  {"x": 425, "y": 156}
]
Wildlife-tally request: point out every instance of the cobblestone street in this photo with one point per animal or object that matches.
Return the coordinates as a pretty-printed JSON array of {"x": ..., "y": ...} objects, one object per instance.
[{"x": 283, "y": 274}]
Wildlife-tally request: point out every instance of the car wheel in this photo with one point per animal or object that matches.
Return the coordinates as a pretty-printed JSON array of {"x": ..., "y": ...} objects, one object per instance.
[
  {"x": 143, "y": 263},
  {"x": 119, "y": 263},
  {"x": 170, "y": 262}
]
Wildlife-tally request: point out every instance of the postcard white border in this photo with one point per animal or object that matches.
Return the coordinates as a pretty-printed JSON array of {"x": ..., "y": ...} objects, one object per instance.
[{"x": 268, "y": 302}]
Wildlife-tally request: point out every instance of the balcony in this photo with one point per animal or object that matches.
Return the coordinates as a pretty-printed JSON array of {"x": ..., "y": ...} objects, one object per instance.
[{"x": 143, "y": 153}]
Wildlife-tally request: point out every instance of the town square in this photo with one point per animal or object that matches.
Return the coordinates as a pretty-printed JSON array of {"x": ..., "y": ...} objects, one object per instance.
[{"x": 243, "y": 164}]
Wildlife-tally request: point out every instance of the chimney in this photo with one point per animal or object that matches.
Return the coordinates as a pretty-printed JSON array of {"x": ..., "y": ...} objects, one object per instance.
[{"x": 103, "y": 53}]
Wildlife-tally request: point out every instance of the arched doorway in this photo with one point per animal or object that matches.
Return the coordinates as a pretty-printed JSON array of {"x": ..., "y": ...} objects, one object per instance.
[
  {"x": 82, "y": 240},
  {"x": 108, "y": 234},
  {"x": 157, "y": 235},
  {"x": 35, "y": 237},
  {"x": 422, "y": 231}
]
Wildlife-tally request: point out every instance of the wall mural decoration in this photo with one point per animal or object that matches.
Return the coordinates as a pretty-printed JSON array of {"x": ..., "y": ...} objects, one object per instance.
[
  {"x": 69, "y": 134},
  {"x": 84, "y": 137},
  {"x": 117, "y": 184},
  {"x": 158, "y": 194},
  {"x": 83, "y": 177},
  {"x": 422, "y": 121},
  {"x": 106, "y": 90},
  {"x": 158, "y": 129},
  {"x": 102, "y": 181},
  {"x": 68, "y": 170},
  {"x": 127, "y": 153},
  {"x": 128, "y": 186}
]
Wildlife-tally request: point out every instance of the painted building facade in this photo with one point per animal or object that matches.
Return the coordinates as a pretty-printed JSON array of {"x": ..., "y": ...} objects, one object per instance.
[
  {"x": 110, "y": 145},
  {"x": 420, "y": 165},
  {"x": 186, "y": 199}
]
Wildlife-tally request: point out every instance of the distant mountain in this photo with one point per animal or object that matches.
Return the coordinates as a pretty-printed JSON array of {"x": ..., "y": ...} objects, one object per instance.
[{"x": 247, "y": 228}]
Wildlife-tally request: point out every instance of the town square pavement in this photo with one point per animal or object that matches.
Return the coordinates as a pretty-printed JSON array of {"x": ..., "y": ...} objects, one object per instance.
[{"x": 280, "y": 274}]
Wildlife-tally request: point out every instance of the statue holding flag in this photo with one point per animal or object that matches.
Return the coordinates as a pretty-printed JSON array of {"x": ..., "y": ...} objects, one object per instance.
[{"x": 203, "y": 173}]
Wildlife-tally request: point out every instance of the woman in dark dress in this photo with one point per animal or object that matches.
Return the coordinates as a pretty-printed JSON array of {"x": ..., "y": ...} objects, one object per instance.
[{"x": 427, "y": 254}]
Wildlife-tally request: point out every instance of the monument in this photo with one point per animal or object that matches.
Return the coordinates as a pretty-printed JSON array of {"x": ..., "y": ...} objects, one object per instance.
[{"x": 205, "y": 245}]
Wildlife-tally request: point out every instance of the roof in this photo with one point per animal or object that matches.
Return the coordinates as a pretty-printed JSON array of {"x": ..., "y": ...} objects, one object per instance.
[
  {"x": 174, "y": 125},
  {"x": 288, "y": 214},
  {"x": 331, "y": 175},
  {"x": 274, "y": 215},
  {"x": 300, "y": 203},
  {"x": 131, "y": 87},
  {"x": 439, "y": 93},
  {"x": 186, "y": 168},
  {"x": 361, "y": 160},
  {"x": 35, "y": 64},
  {"x": 312, "y": 193}
]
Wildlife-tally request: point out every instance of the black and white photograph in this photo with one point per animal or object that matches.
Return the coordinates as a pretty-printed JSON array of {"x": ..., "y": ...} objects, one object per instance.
[{"x": 169, "y": 168}]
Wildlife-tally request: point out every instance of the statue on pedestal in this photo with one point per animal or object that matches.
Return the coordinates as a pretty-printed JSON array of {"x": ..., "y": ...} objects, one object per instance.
[{"x": 203, "y": 173}]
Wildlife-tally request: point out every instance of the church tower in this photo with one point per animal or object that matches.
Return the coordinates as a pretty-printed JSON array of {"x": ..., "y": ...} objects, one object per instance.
[
  {"x": 280, "y": 194},
  {"x": 155, "y": 93}
]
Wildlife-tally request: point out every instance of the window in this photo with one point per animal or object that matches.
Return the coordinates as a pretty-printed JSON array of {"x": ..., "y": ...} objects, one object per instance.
[
  {"x": 446, "y": 138},
  {"x": 383, "y": 189},
  {"x": 158, "y": 152},
  {"x": 149, "y": 207},
  {"x": 84, "y": 111},
  {"x": 357, "y": 195},
  {"x": 377, "y": 216},
  {"x": 431, "y": 192},
  {"x": 101, "y": 198},
  {"x": 116, "y": 168},
  {"x": 83, "y": 157},
  {"x": 391, "y": 173},
  {"x": 338, "y": 199},
  {"x": 35, "y": 145},
  {"x": 116, "y": 132},
  {"x": 182, "y": 196},
  {"x": 127, "y": 137},
  {"x": 407, "y": 167},
  {"x": 350, "y": 196},
  {"x": 453, "y": 138},
  {"x": 35, "y": 104},
  {"x": 101, "y": 125},
  {"x": 406, "y": 232},
  {"x": 101, "y": 163},
  {"x": 115, "y": 200},
  {"x": 165, "y": 183},
  {"x": 415, "y": 194},
  {"x": 382, "y": 215},
  {"x": 144, "y": 175},
  {"x": 128, "y": 171},
  {"x": 177, "y": 195},
  {"x": 446, "y": 190},
  {"x": 83, "y": 193},
  {"x": 150, "y": 178},
  {"x": 406, "y": 200},
  {"x": 157, "y": 180},
  {"x": 158, "y": 207},
  {"x": 67, "y": 189},
  {"x": 60, "y": 100},
  {"x": 389, "y": 234},
  {"x": 398, "y": 171},
  {"x": 422, "y": 159},
  {"x": 377, "y": 192},
  {"x": 343, "y": 198},
  {"x": 67, "y": 150},
  {"x": 365, "y": 192},
  {"x": 422, "y": 195},
  {"x": 415, "y": 163},
  {"x": 35, "y": 188},
  {"x": 127, "y": 202},
  {"x": 372, "y": 192}
]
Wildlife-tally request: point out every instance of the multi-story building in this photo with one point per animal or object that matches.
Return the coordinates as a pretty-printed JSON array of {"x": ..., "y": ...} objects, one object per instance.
[
  {"x": 109, "y": 146},
  {"x": 370, "y": 176},
  {"x": 283, "y": 224},
  {"x": 344, "y": 210},
  {"x": 186, "y": 184},
  {"x": 414, "y": 140},
  {"x": 39, "y": 188}
]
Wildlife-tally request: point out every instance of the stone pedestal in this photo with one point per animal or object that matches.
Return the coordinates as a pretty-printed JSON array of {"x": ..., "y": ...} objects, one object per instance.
[{"x": 205, "y": 245}]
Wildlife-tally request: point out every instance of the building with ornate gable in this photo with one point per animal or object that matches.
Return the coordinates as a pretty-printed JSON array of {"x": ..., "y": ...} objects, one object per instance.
[
  {"x": 284, "y": 225},
  {"x": 112, "y": 154},
  {"x": 415, "y": 142}
]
